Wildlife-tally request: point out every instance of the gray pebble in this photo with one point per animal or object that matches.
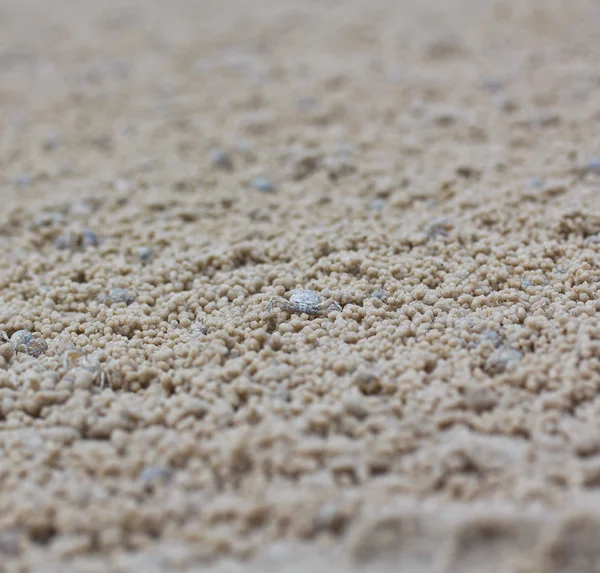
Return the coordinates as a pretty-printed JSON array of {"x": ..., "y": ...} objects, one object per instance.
[
  {"x": 89, "y": 239},
  {"x": 24, "y": 341},
  {"x": 152, "y": 475},
  {"x": 221, "y": 160},
  {"x": 21, "y": 338},
  {"x": 377, "y": 204},
  {"x": 145, "y": 254},
  {"x": 535, "y": 182},
  {"x": 380, "y": 294},
  {"x": 23, "y": 181},
  {"x": 118, "y": 295},
  {"x": 263, "y": 185},
  {"x": 594, "y": 164},
  {"x": 198, "y": 328}
]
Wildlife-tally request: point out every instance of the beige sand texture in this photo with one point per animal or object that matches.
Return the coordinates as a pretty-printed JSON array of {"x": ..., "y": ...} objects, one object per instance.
[{"x": 167, "y": 168}]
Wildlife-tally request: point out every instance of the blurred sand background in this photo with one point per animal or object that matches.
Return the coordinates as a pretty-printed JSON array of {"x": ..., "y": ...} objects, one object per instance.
[{"x": 168, "y": 167}]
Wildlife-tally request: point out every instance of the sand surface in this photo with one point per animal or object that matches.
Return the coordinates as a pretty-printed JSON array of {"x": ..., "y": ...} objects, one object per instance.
[{"x": 169, "y": 168}]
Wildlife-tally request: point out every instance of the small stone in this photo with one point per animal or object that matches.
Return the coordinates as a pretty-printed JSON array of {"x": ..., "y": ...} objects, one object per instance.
[
  {"x": 198, "y": 329},
  {"x": 24, "y": 341},
  {"x": 20, "y": 339},
  {"x": 262, "y": 184},
  {"x": 380, "y": 294},
  {"x": 534, "y": 182},
  {"x": 221, "y": 160},
  {"x": 119, "y": 295},
  {"x": 145, "y": 254},
  {"x": 23, "y": 181},
  {"x": 594, "y": 164},
  {"x": 151, "y": 476},
  {"x": 89, "y": 239}
]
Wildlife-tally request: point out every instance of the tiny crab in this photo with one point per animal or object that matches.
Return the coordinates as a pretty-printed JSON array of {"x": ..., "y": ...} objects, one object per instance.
[
  {"x": 304, "y": 301},
  {"x": 75, "y": 362}
]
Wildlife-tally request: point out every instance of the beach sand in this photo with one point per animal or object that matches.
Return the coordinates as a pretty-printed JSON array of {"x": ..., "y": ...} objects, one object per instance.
[{"x": 168, "y": 169}]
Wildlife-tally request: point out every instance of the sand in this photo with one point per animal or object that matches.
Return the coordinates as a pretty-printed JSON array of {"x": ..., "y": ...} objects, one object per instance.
[{"x": 169, "y": 169}]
